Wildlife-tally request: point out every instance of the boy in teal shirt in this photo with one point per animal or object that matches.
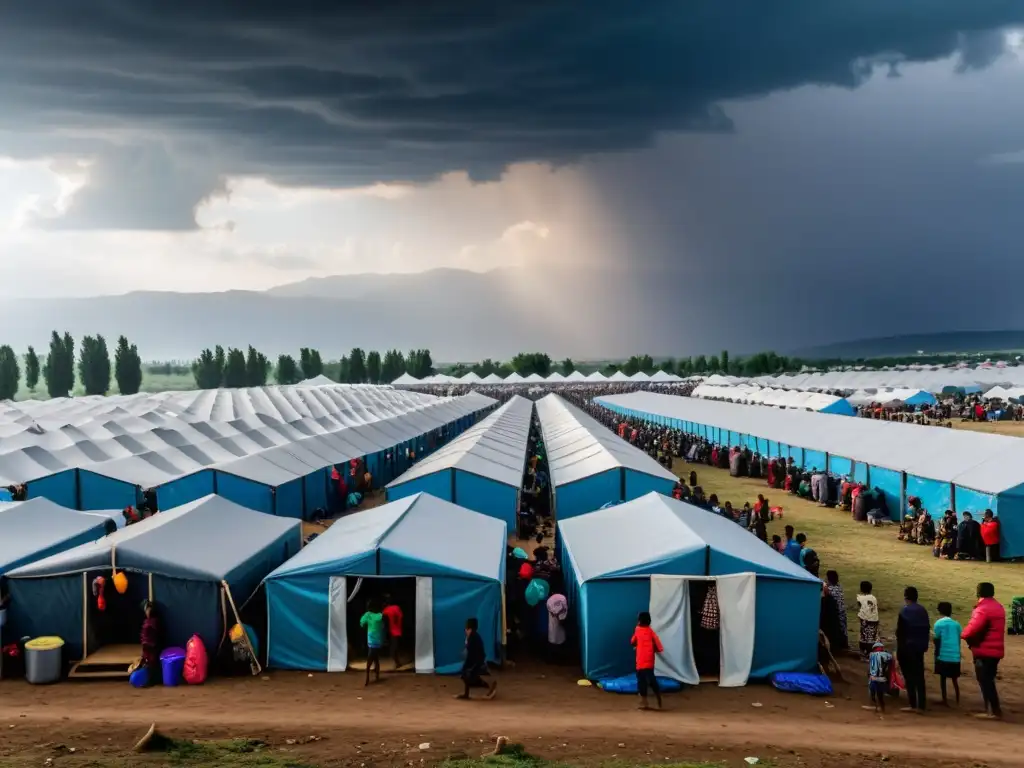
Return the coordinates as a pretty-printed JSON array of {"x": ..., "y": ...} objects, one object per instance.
[
  {"x": 373, "y": 622},
  {"x": 946, "y": 634}
]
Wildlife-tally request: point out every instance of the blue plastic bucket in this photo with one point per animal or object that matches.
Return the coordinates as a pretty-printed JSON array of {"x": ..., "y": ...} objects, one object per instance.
[{"x": 172, "y": 665}]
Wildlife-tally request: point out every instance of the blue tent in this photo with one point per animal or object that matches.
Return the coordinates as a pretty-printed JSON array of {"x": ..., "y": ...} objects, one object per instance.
[
  {"x": 188, "y": 560},
  {"x": 590, "y": 466},
  {"x": 457, "y": 557},
  {"x": 35, "y": 529},
  {"x": 482, "y": 469},
  {"x": 641, "y": 556}
]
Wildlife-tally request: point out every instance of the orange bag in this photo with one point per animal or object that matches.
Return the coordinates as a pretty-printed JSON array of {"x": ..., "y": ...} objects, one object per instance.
[{"x": 196, "y": 661}]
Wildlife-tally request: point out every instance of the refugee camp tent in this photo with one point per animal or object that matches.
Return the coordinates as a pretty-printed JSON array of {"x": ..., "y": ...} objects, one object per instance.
[
  {"x": 405, "y": 380},
  {"x": 643, "y": 556},
  {"x": 482, "y": 469},
  {"x": 456, "y": 556},
  {"x": 589, "y": 465},
  {"x": 618, "y": 376},
  {"x": 555, "y": 377},
  {"x": 944, "y": 468},
  {"x": 491, "y": 378},
  {"x": 470, "y": 378},
  {"x": 898, "y": 395},
  {"x": 598, "y": 377},
  {"x": 533, "y": 378},
  {"x": 576, "y": 377},
  {"x": 195, "y": 562},
  {"x": 514, "y": 378},
  {"x": 35, "y": 529},
  {"x": 663, "y": 377},
  {"x": 640, "y": 376}
]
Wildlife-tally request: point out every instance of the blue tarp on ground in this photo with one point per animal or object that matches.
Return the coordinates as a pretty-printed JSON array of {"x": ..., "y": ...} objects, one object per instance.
[
  {"x": 188, "y": 551},
  {"x": 461, "y": 551},
  {"x": 610, "y": 555}
]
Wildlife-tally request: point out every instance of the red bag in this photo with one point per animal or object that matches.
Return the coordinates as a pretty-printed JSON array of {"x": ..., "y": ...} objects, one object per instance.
[{"x": 196, "y": 661}]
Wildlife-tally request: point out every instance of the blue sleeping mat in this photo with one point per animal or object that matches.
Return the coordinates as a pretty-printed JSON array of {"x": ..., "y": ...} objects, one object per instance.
[
  {"x": 802, "y": 682},
  {"x": 627, "y": 684}
]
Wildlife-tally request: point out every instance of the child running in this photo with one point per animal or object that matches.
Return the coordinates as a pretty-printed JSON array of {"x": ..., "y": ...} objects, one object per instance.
[
  {"x": 373, "y": 622},
  {"x": 946, "y": 634},
  {"x": 879, "y": 669},
  {"x": 474, "y": 665},
  {"x": 648, "y": 645}
]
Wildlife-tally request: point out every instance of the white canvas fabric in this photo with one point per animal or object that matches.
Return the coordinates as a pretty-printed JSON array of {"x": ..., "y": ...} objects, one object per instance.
[
  {"x": 424, "y": 624},
  {"x": 337, "y": 624},
  {"x": 670, "y": 618},
  {"x": 736, "y": 609}
]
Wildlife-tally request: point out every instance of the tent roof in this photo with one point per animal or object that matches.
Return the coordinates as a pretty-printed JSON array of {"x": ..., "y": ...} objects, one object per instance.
[
  {"x": 152, "y": 439},
  {"x": 38, "y": 526},
  {"x": 597, "y": 376},
  {"x": 405, "y": 380},
  {"x": 579, "y": 446},
  {"x": 418, "y": 535},
  {"x": 618, "y": 376},
  {"x": 495, "y": 448},
  {"x": 555, "y": 376},
  {"x": 470, "y": 378},
  {"x": 983, "y": 462},
  {"x": 514, "y": 378},
  {"x": 664, "y": 376},
  {"x": 658, "y": 534},
  {"x": 209, "y": 539},
  {"x": 576, "y": 376},
  {"x": 317, "y": 381},
  {"x": 491, "y": 378}
]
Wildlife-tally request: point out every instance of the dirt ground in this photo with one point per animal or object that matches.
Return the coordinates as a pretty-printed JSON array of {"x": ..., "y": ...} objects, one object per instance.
[{"x": 330, "y": 719}]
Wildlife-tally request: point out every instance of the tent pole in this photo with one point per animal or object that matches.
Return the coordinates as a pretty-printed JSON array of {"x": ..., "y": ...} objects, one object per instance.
[
  {"x": 256, "y": 668},
  {"x": 85, "y": 615}
]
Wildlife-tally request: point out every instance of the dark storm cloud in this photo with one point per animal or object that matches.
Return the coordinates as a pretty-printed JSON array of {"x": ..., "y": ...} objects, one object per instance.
[{"x": 347, "y": 93}]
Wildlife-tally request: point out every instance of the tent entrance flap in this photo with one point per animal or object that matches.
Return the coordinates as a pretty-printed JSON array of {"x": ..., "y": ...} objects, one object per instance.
[
  {"x": 368, "y": 593},
  {"x": 676, "y": 607},
  {"x": 337, "y": 624},
  {"x": 424, "y": 624}
]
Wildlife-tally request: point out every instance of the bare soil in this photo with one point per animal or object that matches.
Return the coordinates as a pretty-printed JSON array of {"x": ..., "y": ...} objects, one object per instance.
[{"x": 330, "y": 719}]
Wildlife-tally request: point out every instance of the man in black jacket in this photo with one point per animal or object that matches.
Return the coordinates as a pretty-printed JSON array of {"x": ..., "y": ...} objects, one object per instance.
[{"x": 913, "y": 631}]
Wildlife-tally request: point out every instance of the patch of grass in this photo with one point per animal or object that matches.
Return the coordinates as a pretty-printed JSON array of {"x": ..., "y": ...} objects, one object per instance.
[
  {"x": 233, "y": 753},
  {"x": 859, "y": 552}
]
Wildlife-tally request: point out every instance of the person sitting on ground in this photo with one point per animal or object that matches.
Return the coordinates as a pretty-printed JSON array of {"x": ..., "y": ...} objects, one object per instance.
[
  {"x": 925, "y": 530},
  {"x": 968, "y": 539},
  {"x": 474, "y": 664},
  {"x": 648, "y": 645},
  {"x": 946, "y": 634},
  {"x": 906, "y": 532},
  {"x": 945, "y": 536},
  {"x": 990, "y": 536}
]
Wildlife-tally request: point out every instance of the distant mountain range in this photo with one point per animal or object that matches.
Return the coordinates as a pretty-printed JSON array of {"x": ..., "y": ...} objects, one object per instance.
[
  {"x": 928, "y": 343},
  {"x": 586, "y": 314},
  {"x": 457, "y": 314}
]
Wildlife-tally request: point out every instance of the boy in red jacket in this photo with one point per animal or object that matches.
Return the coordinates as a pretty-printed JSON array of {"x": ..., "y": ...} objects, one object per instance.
[
  {"x": 984, "y": 635},
  {"x": 648, "y": 645}
]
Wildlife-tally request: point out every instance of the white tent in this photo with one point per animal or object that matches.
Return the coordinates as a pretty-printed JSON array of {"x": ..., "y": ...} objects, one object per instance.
[
  {"x": 534, "y": 378},
  {"x": 555, "y": 378},
  {"x": 514, "y": 378},
  {"x": 598, "y": 377},
  {"x": 575, "y": 376},
  {"x": 640, "y": 376},
  {"x": 663, "y": 377},
  {"x": 618, "y": 376},
  {"x": 470, "y": 378},
  {"x": 405, "y": 380},
  {"x": 491, "y": 378}
]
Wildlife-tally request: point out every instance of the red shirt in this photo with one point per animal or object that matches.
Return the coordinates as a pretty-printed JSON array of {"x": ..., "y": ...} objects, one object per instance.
[
  {"x": 647, "y": 644},
  {"x": 990, "y": 532},
  {"x": 393, "y": 614},
  {"x": 526, "y": 571}
]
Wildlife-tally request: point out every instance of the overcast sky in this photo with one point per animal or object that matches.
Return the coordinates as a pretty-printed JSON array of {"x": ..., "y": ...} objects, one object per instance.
[{"x": 853, "y": 162}]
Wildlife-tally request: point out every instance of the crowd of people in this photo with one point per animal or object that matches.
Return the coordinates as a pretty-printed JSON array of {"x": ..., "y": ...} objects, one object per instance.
[{"x": 951, "y": 538}]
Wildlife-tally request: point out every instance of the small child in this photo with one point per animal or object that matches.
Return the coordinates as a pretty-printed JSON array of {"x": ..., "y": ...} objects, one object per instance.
[
  {"x": 879, "y": 670},
  {"x": 647, "y": 644},
  {"x": 373, "y": 622},
  {"x": 946, "y": 633},
  {"x": 867, "y": 612}
]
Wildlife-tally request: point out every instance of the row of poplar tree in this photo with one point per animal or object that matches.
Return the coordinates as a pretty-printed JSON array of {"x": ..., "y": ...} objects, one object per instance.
[{"x": 58, "y": 369}]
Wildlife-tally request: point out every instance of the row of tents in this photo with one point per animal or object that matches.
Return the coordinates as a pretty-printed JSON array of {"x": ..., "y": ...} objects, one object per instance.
[
  {"x": 576, "y": 377},
  {"x": 272, "y": 449},
  {"x": 946, "y": 469},
  {"x": 210, "y": 562}
]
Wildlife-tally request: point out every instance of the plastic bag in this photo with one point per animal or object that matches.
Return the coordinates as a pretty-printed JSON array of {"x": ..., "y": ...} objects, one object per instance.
[{"x": 196, "y": 661}]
